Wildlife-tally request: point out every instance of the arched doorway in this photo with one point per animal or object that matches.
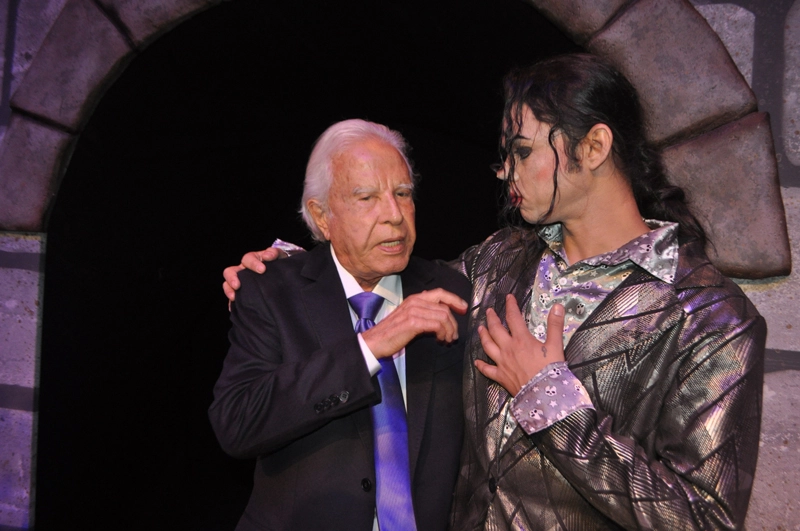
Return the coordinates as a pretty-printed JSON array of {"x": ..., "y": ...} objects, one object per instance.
[{"x": 197, "y": 151}]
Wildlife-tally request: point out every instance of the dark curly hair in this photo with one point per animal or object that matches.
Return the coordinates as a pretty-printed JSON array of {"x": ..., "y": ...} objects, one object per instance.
[{"x": 572, "y": 93}]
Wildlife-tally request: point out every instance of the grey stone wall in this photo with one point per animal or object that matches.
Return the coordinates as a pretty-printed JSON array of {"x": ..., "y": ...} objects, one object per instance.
[{"x": 21, "y": 282}]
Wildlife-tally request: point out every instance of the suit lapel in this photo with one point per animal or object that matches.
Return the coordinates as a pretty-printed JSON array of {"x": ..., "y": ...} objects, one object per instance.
[
  {"x": 326, "y": 306},
  {"x": 420, "y": 360},
  {"x": 520, "y": 284},
  {"x": 324, "y": 299}
]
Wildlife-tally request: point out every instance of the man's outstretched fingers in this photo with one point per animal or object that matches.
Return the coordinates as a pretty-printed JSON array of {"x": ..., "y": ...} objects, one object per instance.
[
  {"x": 514, "y": 319},
  {"x": 231, "y": 284},
  {"x": 422, "y": 313},
  {"x": 230, "y": 293},
  {"x": 442, "y": 296},
  {"x": 488, "y": 343},
  {"x": 254, "y": 260},
  {"x": 490, "y": 371},
  {"x": 555, "y": 327},
  {"x": 231, "y": 276},
  {"x": 495, "y": 328}
]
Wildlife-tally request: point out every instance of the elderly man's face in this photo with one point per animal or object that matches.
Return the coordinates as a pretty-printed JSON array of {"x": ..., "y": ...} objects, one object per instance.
[{"x": 370, "y": 215}]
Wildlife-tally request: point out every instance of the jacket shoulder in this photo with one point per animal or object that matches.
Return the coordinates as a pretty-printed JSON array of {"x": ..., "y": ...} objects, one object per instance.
[
  {"x": 701, "y": 288},
  {"x": 442, "y": 276},
  {"x": 278, "y": 274}
]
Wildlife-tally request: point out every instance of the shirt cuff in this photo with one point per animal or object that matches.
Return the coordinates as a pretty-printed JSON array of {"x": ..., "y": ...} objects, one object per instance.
[
  {"x": 286, "y": 247},
  {"x": 548, "y": 397},
  {"x": 373, "y": 365}
]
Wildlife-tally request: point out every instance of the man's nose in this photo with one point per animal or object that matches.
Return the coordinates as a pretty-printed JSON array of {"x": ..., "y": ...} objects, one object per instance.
[
  {"x": 392, "y": 211},
  {"x": 500, "y": 170}
]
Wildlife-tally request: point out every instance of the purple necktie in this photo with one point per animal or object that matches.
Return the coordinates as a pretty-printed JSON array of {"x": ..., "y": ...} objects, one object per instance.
[{"x": 390, "y": 433}]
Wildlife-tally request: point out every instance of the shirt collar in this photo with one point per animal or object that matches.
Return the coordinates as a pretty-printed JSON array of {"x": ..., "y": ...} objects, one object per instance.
[
  {"x": 390, "y": 287},
  {"x": 656, "y": 251}
]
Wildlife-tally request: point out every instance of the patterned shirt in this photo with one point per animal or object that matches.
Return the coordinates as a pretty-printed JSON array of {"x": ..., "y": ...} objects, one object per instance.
[{"x": 555, "y": 392}]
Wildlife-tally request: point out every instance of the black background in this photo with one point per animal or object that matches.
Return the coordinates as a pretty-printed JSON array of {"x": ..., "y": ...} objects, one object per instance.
[{"x": 196, "y": 155}]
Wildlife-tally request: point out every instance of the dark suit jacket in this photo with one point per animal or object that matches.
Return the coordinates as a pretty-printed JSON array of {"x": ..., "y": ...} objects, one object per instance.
[{"x": 295, "y": 393}]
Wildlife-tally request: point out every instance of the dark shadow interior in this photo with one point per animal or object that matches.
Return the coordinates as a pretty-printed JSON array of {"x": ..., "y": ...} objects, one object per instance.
[{"x": 195, "y": 155}]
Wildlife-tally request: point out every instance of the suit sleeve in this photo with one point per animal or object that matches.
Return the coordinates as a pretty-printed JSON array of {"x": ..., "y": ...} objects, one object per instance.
[
  {"x": 705, "y": 442},
  {"x": 268, "y": 393}
]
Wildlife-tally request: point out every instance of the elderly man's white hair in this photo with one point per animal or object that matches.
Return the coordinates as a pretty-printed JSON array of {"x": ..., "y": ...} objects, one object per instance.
[{"x": 336, "y": 140}]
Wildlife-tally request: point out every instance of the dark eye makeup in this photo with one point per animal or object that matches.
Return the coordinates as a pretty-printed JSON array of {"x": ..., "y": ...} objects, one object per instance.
[{"x": 523, "y": 152}]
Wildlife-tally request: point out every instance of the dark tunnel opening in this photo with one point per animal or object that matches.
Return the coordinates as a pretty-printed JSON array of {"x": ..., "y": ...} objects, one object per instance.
[{"x": 195, "y": 155}]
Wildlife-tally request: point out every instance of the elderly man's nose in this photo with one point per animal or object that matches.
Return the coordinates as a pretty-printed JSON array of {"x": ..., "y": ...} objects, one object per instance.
[{"x": 393, "y": 212}]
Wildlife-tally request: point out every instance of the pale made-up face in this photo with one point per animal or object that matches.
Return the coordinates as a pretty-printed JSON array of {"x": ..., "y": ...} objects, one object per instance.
[
  {"x": 532, "y": 186},
  {"x": 369, "y": 218}
]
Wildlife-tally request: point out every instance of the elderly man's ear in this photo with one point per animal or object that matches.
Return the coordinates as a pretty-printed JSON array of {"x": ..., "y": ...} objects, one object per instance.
[{"x": 319, "y": 213}]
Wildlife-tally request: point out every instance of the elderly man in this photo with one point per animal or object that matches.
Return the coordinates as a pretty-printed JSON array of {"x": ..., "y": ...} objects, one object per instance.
[{"x": 359, "y": 428}]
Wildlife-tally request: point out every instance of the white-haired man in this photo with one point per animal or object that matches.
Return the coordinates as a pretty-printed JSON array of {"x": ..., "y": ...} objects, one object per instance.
[{"x": 344, "y": 373}]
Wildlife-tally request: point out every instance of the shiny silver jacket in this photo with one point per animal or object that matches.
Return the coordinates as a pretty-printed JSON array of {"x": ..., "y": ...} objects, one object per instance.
[{"x": 675, "y": 373}]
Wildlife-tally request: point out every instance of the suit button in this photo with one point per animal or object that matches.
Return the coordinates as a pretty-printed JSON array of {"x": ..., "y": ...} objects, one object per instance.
[
  {"x": 335, "y": 400},
  {"x": 318, "y": 408},
  {"x": 343, "y": 396},
  {"x": 492, "y": 485},
  {"x": 366, "y": 484}
]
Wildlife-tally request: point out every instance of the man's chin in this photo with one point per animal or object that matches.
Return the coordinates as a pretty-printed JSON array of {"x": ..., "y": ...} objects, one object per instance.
[{"x": 394, "y": 264}]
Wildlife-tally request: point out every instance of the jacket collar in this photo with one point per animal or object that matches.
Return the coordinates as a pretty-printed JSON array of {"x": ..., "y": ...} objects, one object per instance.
[{"x": 326, "y": 291}]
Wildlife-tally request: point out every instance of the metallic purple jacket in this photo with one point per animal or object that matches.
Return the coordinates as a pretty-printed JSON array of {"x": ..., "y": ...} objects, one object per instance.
[{"x": 675, "y": 373}]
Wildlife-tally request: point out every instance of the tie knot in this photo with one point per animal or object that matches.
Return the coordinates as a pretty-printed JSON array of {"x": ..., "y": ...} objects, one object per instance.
[{"x": 366, "y": 304}]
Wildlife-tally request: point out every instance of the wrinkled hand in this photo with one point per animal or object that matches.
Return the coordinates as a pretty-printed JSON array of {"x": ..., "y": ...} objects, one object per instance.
[
  {"x": 429, "y": 312},
  {"x": 254, "y": 261},
  {"x": 519, "y": 356}
]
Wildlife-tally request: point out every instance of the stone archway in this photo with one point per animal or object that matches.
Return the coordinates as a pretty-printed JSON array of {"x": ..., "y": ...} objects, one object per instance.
[{"x": 707, "y": 124}]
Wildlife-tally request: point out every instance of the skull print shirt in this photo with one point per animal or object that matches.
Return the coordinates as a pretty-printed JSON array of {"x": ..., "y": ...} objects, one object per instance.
[{"x": 555, "y": 392}]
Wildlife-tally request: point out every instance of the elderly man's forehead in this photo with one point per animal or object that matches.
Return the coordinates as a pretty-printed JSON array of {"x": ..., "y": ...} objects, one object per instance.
[
  {"x": 367, "y": 155},
  {"x": 368, "y": 148}
]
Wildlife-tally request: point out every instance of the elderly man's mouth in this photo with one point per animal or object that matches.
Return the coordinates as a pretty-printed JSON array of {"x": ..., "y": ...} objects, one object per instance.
[{"x": 393, "y": 245}]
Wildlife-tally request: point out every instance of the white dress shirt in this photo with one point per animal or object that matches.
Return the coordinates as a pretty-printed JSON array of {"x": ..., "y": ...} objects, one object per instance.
[{"x": 391, "y": 289}]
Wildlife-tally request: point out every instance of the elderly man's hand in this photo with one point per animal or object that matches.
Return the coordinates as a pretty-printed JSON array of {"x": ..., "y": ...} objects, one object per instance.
[
  {"x": 429, "y": 312},
  {"x": 519, "y": 356},
  {"x": 254, "y": 261}
]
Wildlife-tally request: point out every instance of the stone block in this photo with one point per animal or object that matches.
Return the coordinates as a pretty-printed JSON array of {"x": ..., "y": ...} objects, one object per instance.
[
  {"x": 770, "y": 295},
  {"x": 20, "y": 311},
  {"x": 773, "y": 504},
  {"x": 687, "y": 81},
  {"x": 579, "y": 19},
  {"x": 21, "y": 243},
  {"x": 731, "y": 177},
  {"x": 31, "y": 158},
  {"x": 736, "y": 27},
  {"x": 34, "y": 18},
  {"x": 791, "y": 85},
  {"x": 147, "y": 19},
  {"x": 82, "y": 53},
  {"x": 16, "y": 455}
]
